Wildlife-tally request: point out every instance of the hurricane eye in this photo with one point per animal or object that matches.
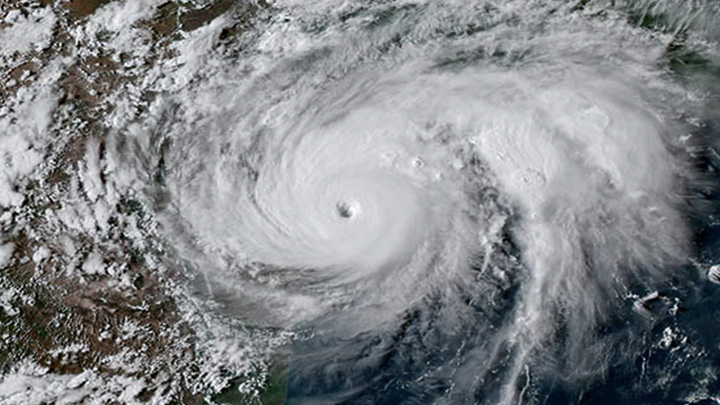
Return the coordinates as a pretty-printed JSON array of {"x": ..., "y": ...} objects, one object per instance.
[{"x": 344, "y": 210}]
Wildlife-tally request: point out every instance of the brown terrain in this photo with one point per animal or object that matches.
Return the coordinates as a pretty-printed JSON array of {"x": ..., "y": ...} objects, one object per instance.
[{"x": 65, "y": 306}]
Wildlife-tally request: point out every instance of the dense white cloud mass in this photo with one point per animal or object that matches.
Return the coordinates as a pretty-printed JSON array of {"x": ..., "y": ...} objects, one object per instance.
[{"x": 391, "y": 158}]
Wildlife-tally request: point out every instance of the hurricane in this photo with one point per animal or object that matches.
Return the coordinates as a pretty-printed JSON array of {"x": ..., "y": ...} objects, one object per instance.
[
  {"x": 448, "y": 200},
  {"x": 442, "y": 202}
]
